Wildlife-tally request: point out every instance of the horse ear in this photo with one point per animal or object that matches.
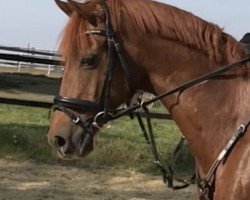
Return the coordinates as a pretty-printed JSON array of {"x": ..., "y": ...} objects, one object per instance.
[
  {"x": 90, "y": 10},
  {"x": 65, "y": 7}
]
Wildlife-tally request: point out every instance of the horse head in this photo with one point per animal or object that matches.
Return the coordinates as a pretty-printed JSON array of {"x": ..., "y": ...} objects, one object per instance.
[{"x": 96, "y": 78}]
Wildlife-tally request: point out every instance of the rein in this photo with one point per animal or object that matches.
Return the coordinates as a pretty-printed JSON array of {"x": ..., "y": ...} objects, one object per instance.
[
  {"x": 74, "y": 107},
  {"x": 183, "y": 87}
]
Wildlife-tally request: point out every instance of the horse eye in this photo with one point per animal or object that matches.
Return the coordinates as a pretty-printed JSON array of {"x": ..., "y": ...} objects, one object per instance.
[{"x": 88, "y": 61}]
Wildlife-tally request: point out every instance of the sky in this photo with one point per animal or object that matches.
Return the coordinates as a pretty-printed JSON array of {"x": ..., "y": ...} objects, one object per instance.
[{"x": 39, "y": 22}]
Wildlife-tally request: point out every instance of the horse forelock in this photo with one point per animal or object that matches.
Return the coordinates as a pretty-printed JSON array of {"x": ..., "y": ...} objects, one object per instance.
[{"x": 71, "y": 42}]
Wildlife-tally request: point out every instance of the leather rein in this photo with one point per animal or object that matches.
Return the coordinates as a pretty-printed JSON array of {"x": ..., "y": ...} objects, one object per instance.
[{"x": 71, "y": 106}]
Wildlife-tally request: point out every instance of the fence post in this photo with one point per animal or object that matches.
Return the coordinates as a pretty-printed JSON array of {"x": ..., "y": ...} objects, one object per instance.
[
  {"x": 49, "y": 69},
  {"x": 19, "y": 67}
]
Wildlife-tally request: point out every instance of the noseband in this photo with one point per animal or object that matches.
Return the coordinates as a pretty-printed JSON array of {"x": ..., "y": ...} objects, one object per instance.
[{"x": 71, "y": 106}]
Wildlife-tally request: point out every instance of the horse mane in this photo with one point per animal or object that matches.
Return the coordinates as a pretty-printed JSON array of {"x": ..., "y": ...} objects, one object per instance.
[{"x": 161, "y": 20}]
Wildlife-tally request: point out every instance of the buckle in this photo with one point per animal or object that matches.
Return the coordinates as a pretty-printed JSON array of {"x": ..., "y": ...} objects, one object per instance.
[
  {"x": 242, "y": 128},
  {"x": 76, "y": 120}
]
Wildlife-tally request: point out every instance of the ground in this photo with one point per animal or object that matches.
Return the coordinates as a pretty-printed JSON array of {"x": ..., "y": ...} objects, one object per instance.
[
  {"x": 29, "y": 84},
  {"x": 31, "y": 181}
]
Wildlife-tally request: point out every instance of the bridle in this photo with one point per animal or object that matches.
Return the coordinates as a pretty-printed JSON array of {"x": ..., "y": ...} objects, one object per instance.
[
  {"x": 102, "y": 108},
  {"x": 103, "y": 113}
]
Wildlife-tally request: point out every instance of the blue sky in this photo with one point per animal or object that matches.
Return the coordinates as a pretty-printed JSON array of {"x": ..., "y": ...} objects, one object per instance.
[{"x": 40, "y": 22}]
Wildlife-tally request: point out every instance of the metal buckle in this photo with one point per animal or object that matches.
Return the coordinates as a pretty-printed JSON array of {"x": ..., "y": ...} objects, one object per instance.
[
  {"x": 76, "y": 120},
  {"x": 242, "y": 128},
  {"x": 96, "y": 125}
]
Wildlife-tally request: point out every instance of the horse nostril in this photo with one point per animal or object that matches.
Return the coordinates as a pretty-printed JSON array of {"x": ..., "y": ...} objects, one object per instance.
[{"x": 59, "y": 141}]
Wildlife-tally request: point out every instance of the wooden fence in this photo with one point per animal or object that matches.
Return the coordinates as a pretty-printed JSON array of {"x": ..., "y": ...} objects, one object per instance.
[
  {"x": 16, "y": 56},
  {"x": 38, "y": 57}
]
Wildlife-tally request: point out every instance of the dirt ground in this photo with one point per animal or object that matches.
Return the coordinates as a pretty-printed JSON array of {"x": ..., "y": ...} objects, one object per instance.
[
  {"x": 31, "y": 181},
  {"x": 30, "y": 84}
]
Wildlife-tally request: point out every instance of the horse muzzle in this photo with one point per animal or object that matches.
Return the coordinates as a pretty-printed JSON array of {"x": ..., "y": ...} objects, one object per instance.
[
  {"x": 78, "y": 138},
  {"x": 79, "y": 144}
]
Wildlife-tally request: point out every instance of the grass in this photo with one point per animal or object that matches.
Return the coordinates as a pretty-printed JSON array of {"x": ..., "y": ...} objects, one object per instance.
[
  {"x": 23, "y": 131},
  {"x": 23, "y": 136}
]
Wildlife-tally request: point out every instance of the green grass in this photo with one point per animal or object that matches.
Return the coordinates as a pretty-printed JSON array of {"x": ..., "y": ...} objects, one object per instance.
[{"x": 23, "y": 136}]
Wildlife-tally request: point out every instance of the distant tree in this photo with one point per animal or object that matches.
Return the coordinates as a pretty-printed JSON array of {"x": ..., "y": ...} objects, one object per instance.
[{"x": 246, "y": 40}]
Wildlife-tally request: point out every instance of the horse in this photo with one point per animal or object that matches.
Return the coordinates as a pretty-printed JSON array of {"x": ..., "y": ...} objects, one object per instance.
[{"x": 114, "y": 48}]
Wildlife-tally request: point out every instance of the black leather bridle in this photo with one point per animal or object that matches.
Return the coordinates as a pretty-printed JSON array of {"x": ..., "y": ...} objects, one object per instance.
[{"x": 71, "y": 106}]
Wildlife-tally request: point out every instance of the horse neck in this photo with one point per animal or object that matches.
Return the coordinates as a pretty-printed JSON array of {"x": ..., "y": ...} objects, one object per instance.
[{"x": 208, "y": 113}]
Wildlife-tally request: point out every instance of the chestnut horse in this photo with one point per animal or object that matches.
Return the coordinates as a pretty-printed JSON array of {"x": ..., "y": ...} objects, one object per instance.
[{"x": 163, "y": 47}]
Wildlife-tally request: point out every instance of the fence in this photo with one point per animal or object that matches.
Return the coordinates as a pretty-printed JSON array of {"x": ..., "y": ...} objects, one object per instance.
[
  {"x": 55, "y": 61},
  {"x": 25, "y": 103},
  {"x": 15, "y": 56},
  {"x": 42, "y": 59},
  {"x": 39, "y": 57}
]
